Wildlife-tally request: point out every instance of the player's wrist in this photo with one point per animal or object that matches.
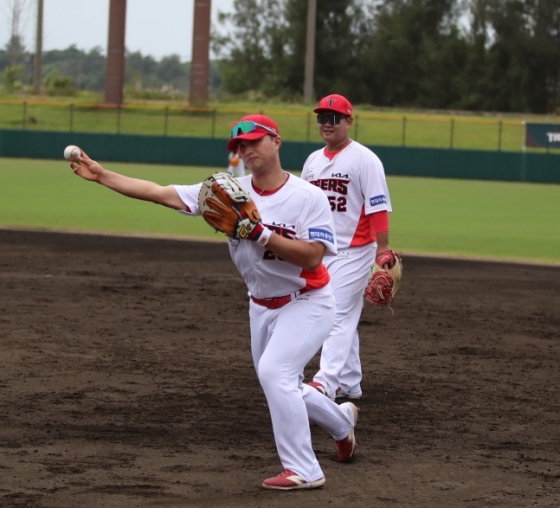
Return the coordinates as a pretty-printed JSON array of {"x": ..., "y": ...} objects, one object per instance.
[
  {"x": 386, "y": 257},
  {"x": 265, "y": 237},
  {"x": 101, "y": 176},
  {"x": 260, "y": 234}
]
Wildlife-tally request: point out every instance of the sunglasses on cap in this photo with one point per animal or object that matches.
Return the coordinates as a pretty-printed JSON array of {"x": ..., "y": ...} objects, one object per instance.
[
  {"x": 248, "y": 126},
  {"x": 332, "y": 118}
]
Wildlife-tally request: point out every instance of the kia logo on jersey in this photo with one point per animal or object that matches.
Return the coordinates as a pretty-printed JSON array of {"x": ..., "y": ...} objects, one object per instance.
[
  {"x": 339, "y": 175},
  {"x": 378, "y": 200}
]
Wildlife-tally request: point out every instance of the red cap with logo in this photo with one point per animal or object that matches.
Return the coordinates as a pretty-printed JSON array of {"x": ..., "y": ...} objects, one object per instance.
[
  {"x": 334, "y": 103},
  {"x": 250, "y": 128}
]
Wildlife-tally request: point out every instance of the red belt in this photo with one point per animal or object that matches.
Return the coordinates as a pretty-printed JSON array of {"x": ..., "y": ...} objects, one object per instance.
[{"x": 279, "y": 301}]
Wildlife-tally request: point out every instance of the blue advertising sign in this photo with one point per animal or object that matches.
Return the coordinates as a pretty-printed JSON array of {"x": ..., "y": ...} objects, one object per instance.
[{"x": 542, "y": 135}]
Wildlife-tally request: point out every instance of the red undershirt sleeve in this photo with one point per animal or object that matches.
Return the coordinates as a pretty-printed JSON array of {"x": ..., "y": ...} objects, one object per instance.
[{"x": 379, "y": 221}]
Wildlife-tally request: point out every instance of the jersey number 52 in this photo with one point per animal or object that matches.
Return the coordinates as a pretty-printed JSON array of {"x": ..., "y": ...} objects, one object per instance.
[{"x": 337, "y": 204}]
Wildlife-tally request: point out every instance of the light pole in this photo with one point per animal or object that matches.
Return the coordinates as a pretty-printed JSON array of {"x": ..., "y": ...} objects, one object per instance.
[
  {"x": 310, "y": 51},
  {"x": 38, "y": 60},
  {"x": 114, "y": 71},
  {"x": 200, "y": 61}
]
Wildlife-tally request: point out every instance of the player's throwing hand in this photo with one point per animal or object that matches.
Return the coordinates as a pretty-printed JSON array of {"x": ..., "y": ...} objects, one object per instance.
[{"x": 87, "y": 168}]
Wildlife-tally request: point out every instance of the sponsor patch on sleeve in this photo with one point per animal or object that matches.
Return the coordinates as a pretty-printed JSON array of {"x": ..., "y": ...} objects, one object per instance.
[
  {"x": 321, "y": 234},
  {"x": 378, "y": 200}
]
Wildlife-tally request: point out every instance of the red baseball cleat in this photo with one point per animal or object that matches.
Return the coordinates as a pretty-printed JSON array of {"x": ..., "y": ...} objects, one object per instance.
[
  {"x": 320, "y": 388},
  {"x": 288, "y": 480},
  {"x": 347, "y": 446}
]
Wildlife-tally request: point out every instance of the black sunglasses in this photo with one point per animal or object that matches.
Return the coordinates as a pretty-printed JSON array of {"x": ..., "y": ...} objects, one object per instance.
[{"x": 332, "y": 118}]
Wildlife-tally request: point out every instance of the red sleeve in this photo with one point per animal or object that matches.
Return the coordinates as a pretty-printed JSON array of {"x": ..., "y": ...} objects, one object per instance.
[{"x": 379, "y": 222}]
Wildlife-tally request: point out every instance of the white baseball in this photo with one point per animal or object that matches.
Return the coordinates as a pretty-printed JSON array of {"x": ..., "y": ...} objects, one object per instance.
[{"x": 71, "y": 153}]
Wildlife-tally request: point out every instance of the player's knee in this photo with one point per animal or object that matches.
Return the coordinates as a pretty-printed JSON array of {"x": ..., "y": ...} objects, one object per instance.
[
  {"x": 272, "y": 375},
  {"x": 267, "y": 373}
]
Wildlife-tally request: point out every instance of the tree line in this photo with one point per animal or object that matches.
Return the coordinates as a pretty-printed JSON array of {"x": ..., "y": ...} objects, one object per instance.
[
  {"x": 478, "y": 55},
  {"x": 72, "y": 69}
]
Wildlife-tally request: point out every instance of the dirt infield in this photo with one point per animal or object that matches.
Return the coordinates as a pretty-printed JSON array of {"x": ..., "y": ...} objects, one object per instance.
[{"x": 123, "y": 385}]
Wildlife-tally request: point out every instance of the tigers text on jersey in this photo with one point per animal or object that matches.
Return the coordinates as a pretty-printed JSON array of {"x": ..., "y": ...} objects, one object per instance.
[
  {"x": 354, "y": 182},
  {"x": 296, "y": 210}
]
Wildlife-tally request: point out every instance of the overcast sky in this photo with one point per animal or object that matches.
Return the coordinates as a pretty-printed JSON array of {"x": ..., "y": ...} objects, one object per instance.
[{"x": 153, "y": 27}]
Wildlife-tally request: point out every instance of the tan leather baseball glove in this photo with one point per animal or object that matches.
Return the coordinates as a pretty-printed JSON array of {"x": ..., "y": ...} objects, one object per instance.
[
  {"x": 384, "y": 283},
  {"x": 228, "y": 208}
]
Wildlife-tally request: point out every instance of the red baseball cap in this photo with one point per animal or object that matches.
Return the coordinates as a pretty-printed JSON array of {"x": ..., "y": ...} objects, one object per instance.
[
  {"x": 334, "y": 103},
  {"x": 252, "y": 127}
]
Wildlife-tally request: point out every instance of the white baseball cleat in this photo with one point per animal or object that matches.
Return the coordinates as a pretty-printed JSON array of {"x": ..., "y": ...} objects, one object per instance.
[{"x": 341, "y": 394}]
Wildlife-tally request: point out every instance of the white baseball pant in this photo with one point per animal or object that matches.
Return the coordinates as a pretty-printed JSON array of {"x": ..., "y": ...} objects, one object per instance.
[
  {"x": 283, "y": 341},
  {"x": 340, "y": 365}
]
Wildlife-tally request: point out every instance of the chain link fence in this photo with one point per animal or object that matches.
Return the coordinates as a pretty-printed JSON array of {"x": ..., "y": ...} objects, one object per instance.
[{"x": 389, "y": 129}]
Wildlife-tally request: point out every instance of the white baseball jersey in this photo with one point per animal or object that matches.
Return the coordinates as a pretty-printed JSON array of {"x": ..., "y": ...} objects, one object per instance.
[
  {"x": 354, "y": 182},
  {"x": 296, "y": 210}
]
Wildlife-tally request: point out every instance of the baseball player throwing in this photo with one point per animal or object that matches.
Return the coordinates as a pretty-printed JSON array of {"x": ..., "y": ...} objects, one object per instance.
[
  {"x": 291, "y": 306},
  {"x": 353, "y": 179}
]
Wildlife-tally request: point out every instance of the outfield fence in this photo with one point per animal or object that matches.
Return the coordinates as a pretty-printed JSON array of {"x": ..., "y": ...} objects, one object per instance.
[
  {"x": 387, "y": 129},
  {"x": 192, "y": 151}
]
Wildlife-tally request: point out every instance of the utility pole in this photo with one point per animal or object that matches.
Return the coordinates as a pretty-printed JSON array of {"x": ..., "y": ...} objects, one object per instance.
[
  {"x": 310, "y": 51},
  {"x": 114, "y": 70},
  {"x": 200, "y": 61},
  {"x": 15, "y": 46},
  {"x": 38, "y": 61}
]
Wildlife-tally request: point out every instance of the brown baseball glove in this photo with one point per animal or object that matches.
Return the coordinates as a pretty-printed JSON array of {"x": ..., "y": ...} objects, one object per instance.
[
  {"x": 228, "y": 208},
  {"x": 384, "y": 282}
]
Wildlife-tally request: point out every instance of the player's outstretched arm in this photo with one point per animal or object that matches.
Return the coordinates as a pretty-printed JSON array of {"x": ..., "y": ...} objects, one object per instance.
[{"x": 136, "y": 188}]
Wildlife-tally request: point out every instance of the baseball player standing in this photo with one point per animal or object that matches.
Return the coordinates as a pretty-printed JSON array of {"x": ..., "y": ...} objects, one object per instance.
[
  {"x": 353, "y": 179},
  {"x": 291, "y": 306}
]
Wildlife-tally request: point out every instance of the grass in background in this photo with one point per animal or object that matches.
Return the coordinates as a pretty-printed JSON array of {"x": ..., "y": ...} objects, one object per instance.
[
  {"x": 500, "y": 220},
  {"x": 47, "y": 194},
  {"x": 296, "y": 122}
]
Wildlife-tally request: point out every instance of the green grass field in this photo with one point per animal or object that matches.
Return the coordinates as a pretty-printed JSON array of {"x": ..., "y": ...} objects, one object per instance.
[
  {"x": 496, "y": 220},
  {"x": 296, "y": 122}
]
